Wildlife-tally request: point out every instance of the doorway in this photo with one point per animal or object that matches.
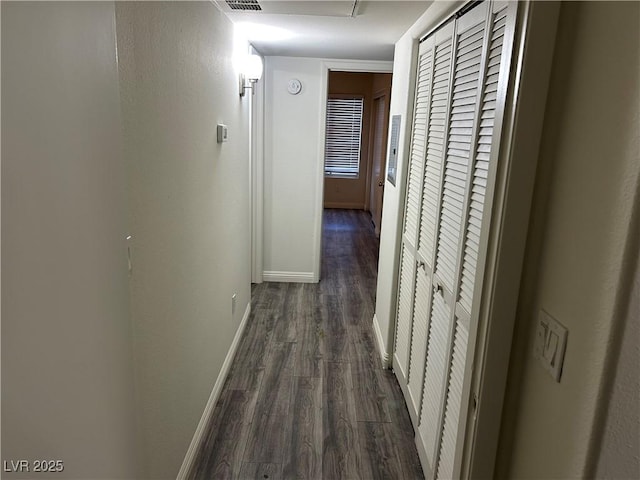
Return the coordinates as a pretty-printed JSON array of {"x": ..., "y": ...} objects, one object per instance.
[
  {"x": 356, "y": 127},
  {"x": 380, "y": 130}
]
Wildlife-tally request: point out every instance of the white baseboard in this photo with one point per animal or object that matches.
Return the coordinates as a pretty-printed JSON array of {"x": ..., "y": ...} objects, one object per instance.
[
  {"x": 384, "y": 355},
  {"x": 290, "y": 277},
  {"x": 198, "y": 436}
]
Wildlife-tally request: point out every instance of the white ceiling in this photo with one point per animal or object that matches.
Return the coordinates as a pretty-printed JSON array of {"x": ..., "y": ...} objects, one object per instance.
[{"x": 326, "y": 29}]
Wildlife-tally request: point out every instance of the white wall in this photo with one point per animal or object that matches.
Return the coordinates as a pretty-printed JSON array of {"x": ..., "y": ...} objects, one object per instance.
[
  {"x": 291, "y": 162},
  {"x": 67, "y": 380},
  {"x": 585, "y": 195},
  {"x": 190, "y": 217}
]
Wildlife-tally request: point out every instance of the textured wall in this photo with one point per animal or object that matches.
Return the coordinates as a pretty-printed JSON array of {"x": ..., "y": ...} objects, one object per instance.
[
  {"x": 584, "y": 199},
  {"x": 189, "y": 212},
  {"x": 67, "y": 378},
  {"x": 292, "y": 137},
  {"x": 619, "y": 452}
]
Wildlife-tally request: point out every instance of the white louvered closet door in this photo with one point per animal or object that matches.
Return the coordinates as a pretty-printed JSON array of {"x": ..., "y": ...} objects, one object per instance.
[
  {"x": 459, "y": 134},
  {"x": 471, "y": 254},
  {"x": 448, "y": 214},
  {"x": 406, "y": 285},
  {"x": 441, "y": 44}
]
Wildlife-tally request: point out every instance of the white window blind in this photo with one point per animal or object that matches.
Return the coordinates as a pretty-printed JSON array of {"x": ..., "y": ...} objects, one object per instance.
[{"x": 343, "y": 137}]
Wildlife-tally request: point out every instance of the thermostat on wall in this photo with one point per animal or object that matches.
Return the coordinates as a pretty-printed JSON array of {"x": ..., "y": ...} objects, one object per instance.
[{"x": 222, "y": 133}]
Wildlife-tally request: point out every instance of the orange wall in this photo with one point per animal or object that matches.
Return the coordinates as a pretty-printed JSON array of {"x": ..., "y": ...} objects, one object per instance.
[{"x": 347, "y": 192}]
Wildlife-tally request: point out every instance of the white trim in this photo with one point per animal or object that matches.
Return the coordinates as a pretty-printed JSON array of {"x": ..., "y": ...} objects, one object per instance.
[
  {"x": 369, "y": 66},
  {"x": 256, "y": 136},
  {"x": 342, "y": 66},
  {"x": 198, "y": 436},
  {"x": 384, "y": 355},
  {"x": 290, "y": 277}
]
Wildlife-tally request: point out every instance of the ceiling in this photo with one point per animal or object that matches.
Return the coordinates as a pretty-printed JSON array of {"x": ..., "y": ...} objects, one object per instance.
[{"x": 323, "y": 28}]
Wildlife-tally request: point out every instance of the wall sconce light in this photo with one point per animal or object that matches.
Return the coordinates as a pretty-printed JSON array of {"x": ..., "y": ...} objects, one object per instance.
[{"x": 250, "y": 73}]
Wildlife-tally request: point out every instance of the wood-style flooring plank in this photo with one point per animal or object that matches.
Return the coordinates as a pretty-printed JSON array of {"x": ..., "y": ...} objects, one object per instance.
[
  {"x": 337, "y": 341},
  {"x": 341, "y": 458},
  {"x": 379, "y": 452},
  {"x": 285, "y": 328},
  {"x": 266, "y": 435},
  {"x": 275, "y": 391},
  {"x": 303, "y": 442},
  {"x": 261, "y": 471},
  {"x": 369, "y": 392},
  {"x": 363, "y": 345},
  {"x": 220, "y": 454},
  {"x": 310, "y": 348},
  {"x": 249, "y": 363},
  {"x": 265, "y": 442}
]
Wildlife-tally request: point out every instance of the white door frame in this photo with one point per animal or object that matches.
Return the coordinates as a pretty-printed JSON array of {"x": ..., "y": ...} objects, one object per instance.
[
  {"x": 256, "y": 175},
  {"x": 362, "y": 66}
]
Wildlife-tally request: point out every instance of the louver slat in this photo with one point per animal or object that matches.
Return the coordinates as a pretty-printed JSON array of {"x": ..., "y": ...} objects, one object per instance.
[
  {"x": 458, "y": 152},
  {"x": 435, "y": 141},
  {"x": 412, "y": 208},
  {"x": 481, "y": 167},
  {"x": 454, "y": 397},
  {"x": 435, "y": 370},
  {"x": 405, "y": 300},
  {"x": 419, "y": 337}
]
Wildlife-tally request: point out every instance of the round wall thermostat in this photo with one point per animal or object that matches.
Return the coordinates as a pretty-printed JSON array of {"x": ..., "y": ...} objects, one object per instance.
[{"x": 294, "y": 87}]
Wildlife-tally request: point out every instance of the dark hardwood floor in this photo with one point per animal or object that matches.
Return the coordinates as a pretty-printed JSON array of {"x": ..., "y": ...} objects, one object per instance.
[{"x": 306, "y": 396}]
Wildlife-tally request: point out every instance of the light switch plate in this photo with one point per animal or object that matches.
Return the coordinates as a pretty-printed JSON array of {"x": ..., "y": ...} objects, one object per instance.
[
  {"x": 222, "y": 133},
  {"x": 550, "y": 344}
]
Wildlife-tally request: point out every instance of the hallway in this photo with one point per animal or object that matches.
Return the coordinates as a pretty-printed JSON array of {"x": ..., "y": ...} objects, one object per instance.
[{"x": 306, "y": 396}]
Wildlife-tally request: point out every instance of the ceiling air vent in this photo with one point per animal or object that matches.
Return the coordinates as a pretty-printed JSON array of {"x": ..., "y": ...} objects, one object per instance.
[{"x": 251, "y": 5}]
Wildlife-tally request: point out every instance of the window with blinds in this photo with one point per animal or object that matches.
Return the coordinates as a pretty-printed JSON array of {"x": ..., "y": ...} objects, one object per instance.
[{"x": 343, "y": 137}]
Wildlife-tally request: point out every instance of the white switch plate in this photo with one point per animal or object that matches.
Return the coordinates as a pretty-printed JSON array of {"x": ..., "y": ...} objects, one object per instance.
[
  {"x": 223, "y": 133},
  {"x": 550, "y": 344}
]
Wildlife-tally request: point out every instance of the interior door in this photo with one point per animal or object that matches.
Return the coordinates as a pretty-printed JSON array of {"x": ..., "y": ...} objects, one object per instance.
[
  {"x": 460, "y": 94},
  {"x": 380, "y": 129}
]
